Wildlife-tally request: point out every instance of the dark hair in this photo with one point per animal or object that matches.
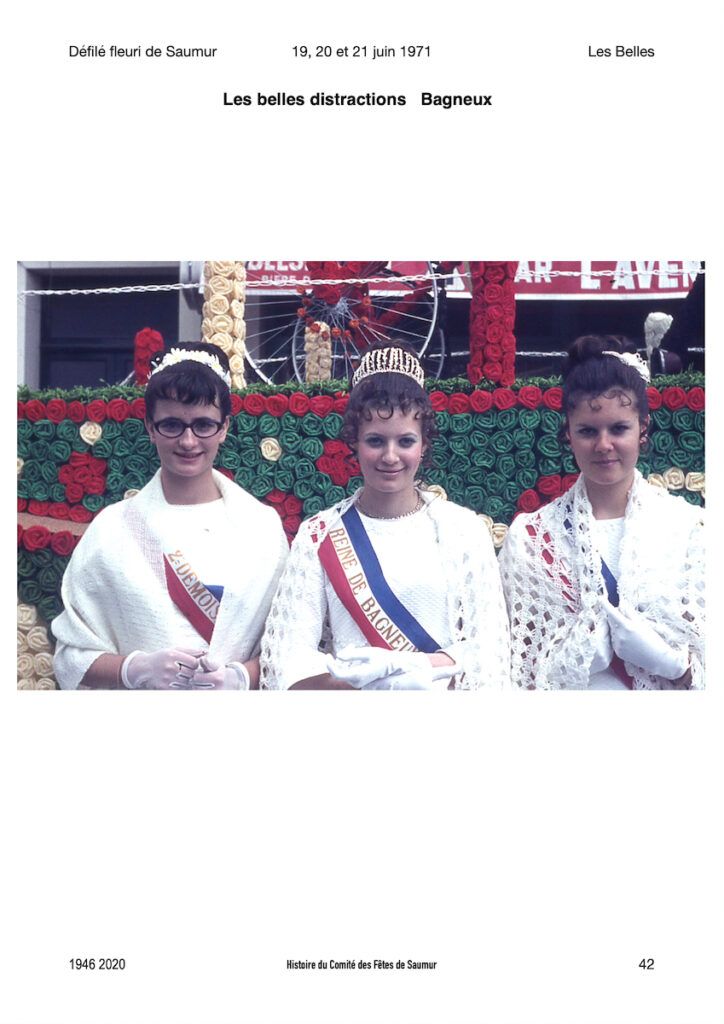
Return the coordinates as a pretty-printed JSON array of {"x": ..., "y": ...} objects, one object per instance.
[
  {"x": 190, "y": 382},
  {"x": 385, "y": 392},
  {"x": 590, "y": 372}
]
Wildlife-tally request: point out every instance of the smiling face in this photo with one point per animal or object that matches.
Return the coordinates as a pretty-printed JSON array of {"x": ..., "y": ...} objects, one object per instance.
[
  {"x": 605, "y": 435},
  {"x": 185, "y": 460},
  {"x": 389, "y": 450}
]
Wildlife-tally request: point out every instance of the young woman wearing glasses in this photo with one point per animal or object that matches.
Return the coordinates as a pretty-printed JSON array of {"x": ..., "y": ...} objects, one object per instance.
[{"x": 170, "y": 589}]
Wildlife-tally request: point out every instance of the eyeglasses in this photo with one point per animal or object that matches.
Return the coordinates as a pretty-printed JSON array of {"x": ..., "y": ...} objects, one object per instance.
[{"x": 172, "y": 427}]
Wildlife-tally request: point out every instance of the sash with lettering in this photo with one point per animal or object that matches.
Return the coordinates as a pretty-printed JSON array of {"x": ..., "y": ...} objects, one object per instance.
[
  {"x": 194, "y": 599},
  {"x": 356, "y": 575}
]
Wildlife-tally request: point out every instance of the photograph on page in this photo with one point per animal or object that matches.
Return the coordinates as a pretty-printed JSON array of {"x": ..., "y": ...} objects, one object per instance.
[
  {"x": 397, "y": 424},
  {"x": 238, "y": 479}
]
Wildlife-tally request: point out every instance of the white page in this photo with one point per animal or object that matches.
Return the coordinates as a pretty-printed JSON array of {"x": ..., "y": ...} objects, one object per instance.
[{"x": 535, "y": 846}]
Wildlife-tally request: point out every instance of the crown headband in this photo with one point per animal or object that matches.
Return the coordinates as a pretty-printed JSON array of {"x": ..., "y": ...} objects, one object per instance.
[
  {"x": 178, "y": 355},
  {"x": 389, "y": 360},
  {"x": 634, "y": 360}
]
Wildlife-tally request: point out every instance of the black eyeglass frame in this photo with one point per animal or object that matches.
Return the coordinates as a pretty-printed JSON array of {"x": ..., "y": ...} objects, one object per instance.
[{"x": 186, "y": 426}]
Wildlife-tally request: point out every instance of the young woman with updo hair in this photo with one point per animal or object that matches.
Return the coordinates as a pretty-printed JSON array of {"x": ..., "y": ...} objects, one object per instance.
[
  {"x": 605, "y": 585},
  {"x": 403, "y": 583}
]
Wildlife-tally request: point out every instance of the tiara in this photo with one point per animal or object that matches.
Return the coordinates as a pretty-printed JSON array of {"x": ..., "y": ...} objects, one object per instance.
[
  {"x": 179, "y": 355},
  {"x": 634, "y": 360},
  {"x": 389, "y": 360}
]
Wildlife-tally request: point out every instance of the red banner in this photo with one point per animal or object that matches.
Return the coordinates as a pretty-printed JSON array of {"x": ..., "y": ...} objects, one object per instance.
[{"x": 535, "y": 279}]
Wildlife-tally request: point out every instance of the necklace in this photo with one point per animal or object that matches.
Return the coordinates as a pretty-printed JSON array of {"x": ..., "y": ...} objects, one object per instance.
[{"x": 403, "y": 515}]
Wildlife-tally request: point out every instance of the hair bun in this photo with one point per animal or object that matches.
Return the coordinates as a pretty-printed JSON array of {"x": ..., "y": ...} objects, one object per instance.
[{"x": 591, "y": 346}]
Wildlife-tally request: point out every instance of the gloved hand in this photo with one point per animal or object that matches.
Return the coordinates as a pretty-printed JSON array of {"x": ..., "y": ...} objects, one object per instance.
[
  {"x": 170, "y": 668},
  {"x": 376, "y": 669},
  {"x": 213, "y": 676},
  {"x": 635, "y": 640}
]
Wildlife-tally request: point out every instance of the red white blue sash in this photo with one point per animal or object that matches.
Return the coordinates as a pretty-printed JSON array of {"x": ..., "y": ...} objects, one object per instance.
[
  {"x": 355, "y": 573},
  {"x": 193, "y": 598}
]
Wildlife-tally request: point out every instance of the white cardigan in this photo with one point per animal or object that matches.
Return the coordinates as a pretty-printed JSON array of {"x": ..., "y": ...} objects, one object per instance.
[{"x": 114, "y": 589}]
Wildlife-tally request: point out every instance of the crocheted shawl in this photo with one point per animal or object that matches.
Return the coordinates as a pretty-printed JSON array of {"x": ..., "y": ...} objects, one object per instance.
[{"x": 554, "y": 588}]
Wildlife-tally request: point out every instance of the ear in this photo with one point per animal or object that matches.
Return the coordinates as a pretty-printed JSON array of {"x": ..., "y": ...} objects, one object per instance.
[
  {"x": 150, "y": 429},
  {"x": 224, "y": 430}
]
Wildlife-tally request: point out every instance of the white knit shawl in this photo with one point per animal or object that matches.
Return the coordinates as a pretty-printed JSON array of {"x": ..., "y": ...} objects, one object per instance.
[
  {"x": 114, "y": 590},
  {"x": 555, "y": 625},
  {"x": 475, "y": 617}
]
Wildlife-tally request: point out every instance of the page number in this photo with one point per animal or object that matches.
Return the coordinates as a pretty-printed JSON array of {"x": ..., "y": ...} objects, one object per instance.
[{"x": 647, "y": 964}]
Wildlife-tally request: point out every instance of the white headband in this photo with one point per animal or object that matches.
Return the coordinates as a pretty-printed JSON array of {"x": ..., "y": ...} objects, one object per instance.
[
  {"x": 634, "y": 360},
  {"x": 178, "y": 355}
]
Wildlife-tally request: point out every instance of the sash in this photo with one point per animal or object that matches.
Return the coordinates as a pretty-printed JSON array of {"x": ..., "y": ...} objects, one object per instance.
[
  {"x": 354, "y": 571},
  {"x": 193, "y": 599},
  {"x": 617, "y": 666}
]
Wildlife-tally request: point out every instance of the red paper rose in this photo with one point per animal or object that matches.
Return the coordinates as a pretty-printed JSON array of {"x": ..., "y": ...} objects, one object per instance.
[
  {"x": 138, "y": 408},
  {"x": 56, "y": 410},
  {"x": 74, "y": 493},
  {"x": 21, "y": 410},
  {"x": 528, "y": 501},
  {"x": 254, "y": 405},
  {"x": 504, "y": 398},
  {"x": 493, "y": 371},
  {"x": 673, "y": 398},
  {"x": 494, "y": 331},
  {"x": 336, "y": 447},
  {"x": 96, "y": 485},
  {"x": 695, "y": 399},
  {"x": 22, "y": 504},
  {"x": 494, "y": 273},
  {"x": 276, "y": 497},
  {"x": 322, "y": 405},
  {"x": 36, "y": 537},
  {"x": 38, "y": 508},
  {"x": 492, "y": 293},
  {"x": 20, "y": 534},
  {"x": 654, "y": 397},
  {"x": 458, "y": 403},
  {"x": 553, "y": 398},
  {"x": 291, "y": 525},
  {"x": 340, "y": 403},
  {"x": 298, "y": 403},
  {"x": 80, "y": 514},
  {"x": 59, "y": 510},
  {"x": 119, "y": 410},
  {"x": 277, "y": 405},
  {"x": 34, "y": 410},
  {"x": 550, "y": 486},
  {"x": 568, "y": 481},
  {"x": 236, "y": 404},
  {"x": 62, "y": 542},
  {"x": 530, "y": 396},
  {"x": 292, "y": 505},
  {"x": 76, "y": 412},
  {"x": 481, "y": 401},
  {"x": 438, "y": 401},
  {"x": 96, "y": 410}
]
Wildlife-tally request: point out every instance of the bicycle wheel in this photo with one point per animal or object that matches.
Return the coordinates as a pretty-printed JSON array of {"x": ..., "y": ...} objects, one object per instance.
[{"x": 356, "y": 314}]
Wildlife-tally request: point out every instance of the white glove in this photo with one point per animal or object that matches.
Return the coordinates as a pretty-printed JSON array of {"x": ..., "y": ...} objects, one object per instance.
[
  {"x": 168, "y": 669},
  {"x": 371, "y": 668},
  {"x": 213, "y": 676},
  {"x": 636, "y": 641}
]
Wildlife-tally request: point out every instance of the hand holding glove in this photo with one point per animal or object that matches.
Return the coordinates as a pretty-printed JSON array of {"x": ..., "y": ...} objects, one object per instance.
[
  {"x": 213, "y": 676},
  {"x": 371, "y": 668},
  {"x": 635, "y": 640},
  {"x": 170, "y": 668}
]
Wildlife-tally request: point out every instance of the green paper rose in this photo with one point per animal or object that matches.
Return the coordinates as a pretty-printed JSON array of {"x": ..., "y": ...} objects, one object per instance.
[
  {"x": 443, "y": 422},
  {"x": 529, "y": 419},
  {"x": 525, "y": 480},
  {"x": 229, "y": 459},
  {"x": 49, "y": 606},
  {"x": 661, "y": 419},
  {"x": 25, "y": 430},
  {"x": 312, "y": 447},
  {"x": 460, "y": 444},
  {"x": 93, "y": 502},
  {"x": 305, "y": 470},
  {"x": 44, "y": 430},
  {"x": 502, "y": 441},
  {"x": 102, "y": 449},
  {"x": 549, "y": 446},
  {"x": 30, "y": 591},
  {"x": 331, "y": 425},
  {"x": 507, "y": 419},
  {"x": 526, "y": 459},
  {"x": 462, "y": 423},
  {"x": 303, "y": 489},
  {"x": 39, "y": 490},
  {"x": 523, "y": 439},
  {"x": 494, "y": 483},
  {"x": 550, "y": 421},
  {"x": 290, "y": 440},
  {"x": 56, "y": 492},
  {"x": 312, "y": 425},
  {"x": 506, "y": 465},
  {"x": 691, "y": 441},
  {"x": 66, "y": 430},
  {"x": 111, "y": 430},
  {"x": 662, "y": 441},
  {"x": 484, "y": 458},
  {"x": 474, "y": 498},
  {"x": 260, "y": 486},
  {"x": 60, "y": 451},
  {"x": 39, "y": 451},
  {"x": 312, "y": 505},
  {"x": 132, "y": 429},
  {"x": 494, "y": 507},
  {"x": 283, "y": 480},
  {"x": 269, "y": 425}
]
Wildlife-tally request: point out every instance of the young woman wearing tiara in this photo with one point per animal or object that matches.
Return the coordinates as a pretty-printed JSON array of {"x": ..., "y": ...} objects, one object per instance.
[
  {"x": 605, "y": 586},
  {"x": 406, "y": 581},
  {"x": 170, "y": 589}
]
